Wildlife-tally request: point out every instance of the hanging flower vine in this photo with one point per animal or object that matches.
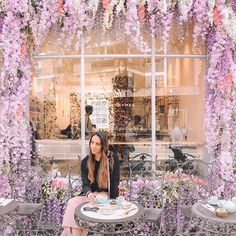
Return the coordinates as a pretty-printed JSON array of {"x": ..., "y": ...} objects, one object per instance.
[{"x": 24, "y": 24}]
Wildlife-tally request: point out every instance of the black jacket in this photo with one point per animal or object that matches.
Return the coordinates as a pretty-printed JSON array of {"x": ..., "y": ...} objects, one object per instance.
[{"x": 114, "y": 178}]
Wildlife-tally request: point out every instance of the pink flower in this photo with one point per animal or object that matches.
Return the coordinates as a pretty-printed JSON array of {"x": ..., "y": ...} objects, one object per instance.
[
  {"x": 172, "y": 177},
  {"x": 24, "y": 49},
  {"x": 55, "y": 183},
  {"x": 199, "y": 181},
  {"x": 217, "y": 16},
  {"x": 58, "y": 183},
  {"x": 139, "y": 182},
  {"x": 60, "y": 6},
  {"x": 226, "y": 82},
  {"x": 105, "y": 3},
  {"x": 141, "y": 12},
  {"x": 19, "y": 111}
]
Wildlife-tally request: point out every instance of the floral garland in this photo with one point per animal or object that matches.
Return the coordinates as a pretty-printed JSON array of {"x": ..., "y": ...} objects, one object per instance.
[
  {"x": 24, "y": 24},
  {"x": 15, "y": 83},
  {"x": 220, "y": 109}
]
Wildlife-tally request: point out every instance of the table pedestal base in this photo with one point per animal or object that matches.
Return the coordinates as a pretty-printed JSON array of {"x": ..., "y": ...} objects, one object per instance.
[{"x": 109, "y": 228}]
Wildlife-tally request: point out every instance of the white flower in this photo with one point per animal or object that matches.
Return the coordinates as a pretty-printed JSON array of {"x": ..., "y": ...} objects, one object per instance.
[
  {"x": 93, "y": 6},
  {"x": 108, "y": 18},
  {"x": 120, "y": 6},
  {"x": 226, "y": 161},
  {"x": 229, "y": 22},
  {"x": 2, "y": 2},
  {"x": 211, "y": 5},
  {"x": 77, "y": 3},
  {"x": 184, "y": 8},
  {"x": 164, "y": 6},
  {"x": 211, "y": 17}
]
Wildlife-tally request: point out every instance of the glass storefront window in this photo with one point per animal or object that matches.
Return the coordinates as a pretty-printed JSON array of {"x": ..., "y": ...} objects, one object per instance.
[
  {"x": 117, "y": 86},
  {"x": 54, "y": 99},
  {"x": 185, "y": 97},
  {"x": 119, "y": 89}
]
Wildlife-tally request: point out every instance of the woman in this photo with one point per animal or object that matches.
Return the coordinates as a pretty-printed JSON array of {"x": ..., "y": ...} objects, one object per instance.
[{"x": 96, "y": 179}]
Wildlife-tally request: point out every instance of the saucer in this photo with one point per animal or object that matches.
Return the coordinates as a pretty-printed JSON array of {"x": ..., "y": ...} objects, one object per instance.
[
  {"x": 100, "y": 206},
  {"x": 212, "y": 202},
  {"x": 105, "y": 211}
]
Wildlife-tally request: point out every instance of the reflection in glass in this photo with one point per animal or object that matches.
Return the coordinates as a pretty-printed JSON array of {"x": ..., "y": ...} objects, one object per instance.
[
  {"x": 121, "y": 96},
  {"x": 177, "y": 113},
  {"x": 119, "y": 90},
  {"x": 54, "y": 100}
]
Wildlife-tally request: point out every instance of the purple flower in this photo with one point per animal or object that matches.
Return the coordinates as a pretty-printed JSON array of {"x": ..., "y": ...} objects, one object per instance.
[
  {"x": 20, "y": 21},
  {"x": 233, "y": 4},
  {"x": 1, "y": 23}
]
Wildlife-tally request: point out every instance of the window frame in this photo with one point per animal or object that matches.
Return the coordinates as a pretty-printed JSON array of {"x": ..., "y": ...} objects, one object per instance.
[{"x": 152, "y": 55}]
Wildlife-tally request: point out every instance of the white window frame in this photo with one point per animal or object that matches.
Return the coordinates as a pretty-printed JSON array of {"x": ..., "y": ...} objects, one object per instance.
[{"x": 82, "y": 56}]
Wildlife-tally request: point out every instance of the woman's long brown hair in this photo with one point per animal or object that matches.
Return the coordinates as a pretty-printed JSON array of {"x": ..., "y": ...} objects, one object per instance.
[{"x": 102, "y": 171}]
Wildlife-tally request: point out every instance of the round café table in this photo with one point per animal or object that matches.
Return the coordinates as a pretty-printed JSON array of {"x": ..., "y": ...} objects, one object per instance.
[
  {"x": 116, "y": 223},
  {"x": 207, "y": 221}
]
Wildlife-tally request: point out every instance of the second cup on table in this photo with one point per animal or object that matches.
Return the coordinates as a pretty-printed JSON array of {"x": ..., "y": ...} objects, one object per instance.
[
  {"x": 101, "y": 199},
  {"x": 125, "y": 205},
  {"x": 120, "y": 199}
]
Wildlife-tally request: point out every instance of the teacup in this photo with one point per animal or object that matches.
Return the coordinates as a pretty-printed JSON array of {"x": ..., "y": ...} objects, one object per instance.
[
  {"x": 222, "y": 212},
  {"x": 234, "y": 199},
  {"x": 213, "y": 200},
  {"x": 229, "y": 205},
  {"x": 101, "y": 199},
  {"x": 125, "y": 205},
  {"x": 120, "y": 199}
]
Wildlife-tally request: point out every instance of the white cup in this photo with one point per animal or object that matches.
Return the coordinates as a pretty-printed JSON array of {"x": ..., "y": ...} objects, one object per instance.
[
  {"x": 125, "y": 205},
  {"x": 234, "y": 199},
  {"x": 120, "y": 199},
  {"x": 213, "y": 198},
  {"x": 101, "y": 199}
]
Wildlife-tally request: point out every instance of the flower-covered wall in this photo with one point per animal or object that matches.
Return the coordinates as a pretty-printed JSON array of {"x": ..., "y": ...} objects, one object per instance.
[{"x": 25, "y": 23}]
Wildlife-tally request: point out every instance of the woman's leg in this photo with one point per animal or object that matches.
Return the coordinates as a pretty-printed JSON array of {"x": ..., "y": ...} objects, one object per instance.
[
  {"x": 73, "y": 232},
  {"x": 67, "y": 231},
  {"x": 79, "y": 232},
  {"x": 69, "y": 224}
]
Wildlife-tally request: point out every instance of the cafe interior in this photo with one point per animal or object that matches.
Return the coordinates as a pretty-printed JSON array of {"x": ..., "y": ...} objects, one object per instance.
[{"x": 120, "y": 82}]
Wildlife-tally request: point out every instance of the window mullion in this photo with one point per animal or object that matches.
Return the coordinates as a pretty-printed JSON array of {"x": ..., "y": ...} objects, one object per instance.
[
  {"x": 82, "y": 99},
  {"x": 153, "y": 98}
]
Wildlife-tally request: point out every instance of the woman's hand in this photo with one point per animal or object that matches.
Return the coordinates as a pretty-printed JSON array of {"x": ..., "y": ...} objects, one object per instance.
[{"x": 92, "y": 197}]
